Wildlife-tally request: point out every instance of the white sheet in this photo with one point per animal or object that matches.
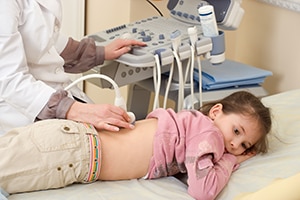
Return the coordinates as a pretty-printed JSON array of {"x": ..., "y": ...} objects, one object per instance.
[
  {"x": 160, "y": 189},
  {"x": 282, "y": 161}
]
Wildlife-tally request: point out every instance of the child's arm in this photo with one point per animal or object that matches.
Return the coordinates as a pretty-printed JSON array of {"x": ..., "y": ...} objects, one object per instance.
[
  {"x": 208, "y": 167},
  {"x": 206, "y": 179}
]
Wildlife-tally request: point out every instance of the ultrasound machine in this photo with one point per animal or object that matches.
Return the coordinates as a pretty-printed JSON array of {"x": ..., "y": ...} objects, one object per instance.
[{"x": 176, "y": 49}]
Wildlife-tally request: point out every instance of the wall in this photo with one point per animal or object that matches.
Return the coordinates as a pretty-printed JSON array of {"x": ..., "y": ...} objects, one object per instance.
[
  {"x": 101, "y": 15},
  {"x": 73, "y": 18},
  {"x": 73, "y": 23},
  {"x": 140, "y": 9},
  {"x": 268, "y": 38}
]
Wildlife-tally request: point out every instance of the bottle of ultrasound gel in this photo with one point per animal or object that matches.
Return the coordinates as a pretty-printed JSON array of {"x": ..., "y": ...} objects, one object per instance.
[{"x": 208, "y": 21}]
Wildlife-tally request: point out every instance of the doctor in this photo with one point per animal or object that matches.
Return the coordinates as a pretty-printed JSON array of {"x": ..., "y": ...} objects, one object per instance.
[{"x": 34, "y": 59}]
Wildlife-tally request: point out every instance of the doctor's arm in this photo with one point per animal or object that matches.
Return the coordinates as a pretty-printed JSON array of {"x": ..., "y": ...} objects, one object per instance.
[
  {"x": 101, "y": 116},
  {"x": 80, "y": 56}
]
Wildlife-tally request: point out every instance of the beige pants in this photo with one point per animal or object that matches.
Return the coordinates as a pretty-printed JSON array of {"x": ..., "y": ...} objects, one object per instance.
[{"x": 46, "y": 154}]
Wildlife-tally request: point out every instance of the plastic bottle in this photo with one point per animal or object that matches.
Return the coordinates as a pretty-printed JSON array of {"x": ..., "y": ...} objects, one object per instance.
[{"x": 208, "y": 21}]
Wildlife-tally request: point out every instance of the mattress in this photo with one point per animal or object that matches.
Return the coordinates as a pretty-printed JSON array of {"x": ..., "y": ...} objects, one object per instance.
[{"x": 259, "y": 172}]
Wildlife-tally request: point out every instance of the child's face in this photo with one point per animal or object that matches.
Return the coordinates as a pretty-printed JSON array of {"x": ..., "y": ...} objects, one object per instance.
[{"x": 240, "y": 132}]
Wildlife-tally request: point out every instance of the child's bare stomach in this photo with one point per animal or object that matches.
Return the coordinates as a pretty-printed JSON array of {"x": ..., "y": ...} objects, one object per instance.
[{"x": 126, "y": 154}]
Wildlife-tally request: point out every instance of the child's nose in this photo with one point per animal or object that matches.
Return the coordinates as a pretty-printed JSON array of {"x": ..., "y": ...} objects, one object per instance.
[{"x": 234, "y": 144}]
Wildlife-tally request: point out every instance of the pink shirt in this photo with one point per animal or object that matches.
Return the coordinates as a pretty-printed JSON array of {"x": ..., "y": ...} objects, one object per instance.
[{"x": 188, "y": 142}]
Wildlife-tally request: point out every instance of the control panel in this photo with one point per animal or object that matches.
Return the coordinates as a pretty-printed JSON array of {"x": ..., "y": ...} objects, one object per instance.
[
  {"x": 138, "y": 64},
  {"x": 157, "y": 33}
]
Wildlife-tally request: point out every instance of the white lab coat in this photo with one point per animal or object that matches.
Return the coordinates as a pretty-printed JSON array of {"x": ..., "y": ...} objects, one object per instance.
[{"x": 30, "y": 66}]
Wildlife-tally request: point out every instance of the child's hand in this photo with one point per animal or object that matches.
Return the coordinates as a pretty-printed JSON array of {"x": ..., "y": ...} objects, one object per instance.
[{"x": 245, "y": 156}]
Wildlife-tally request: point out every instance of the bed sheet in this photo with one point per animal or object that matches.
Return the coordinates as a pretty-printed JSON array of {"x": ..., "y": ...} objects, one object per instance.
[
  {"x": 282, "y": 161},
  {"x": 160, "y": 189}
]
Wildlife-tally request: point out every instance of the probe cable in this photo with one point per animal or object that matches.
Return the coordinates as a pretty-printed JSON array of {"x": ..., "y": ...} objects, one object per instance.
[
  {"x": 200, "y": 80},
  {"x": 157, "y": 81},
  {"x": 181, "y": 87},
  {"x": 168, "y": 85},
  {"x": 154, "y": 6},
  {"x": 119, "y": 100}
]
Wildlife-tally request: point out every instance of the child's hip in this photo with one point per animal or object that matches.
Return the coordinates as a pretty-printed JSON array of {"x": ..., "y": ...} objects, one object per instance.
[{"x": 49, "y": 154}]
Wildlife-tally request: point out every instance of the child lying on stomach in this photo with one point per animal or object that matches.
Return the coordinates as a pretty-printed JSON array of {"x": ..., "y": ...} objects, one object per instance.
[{"x": 208, "y": 145}]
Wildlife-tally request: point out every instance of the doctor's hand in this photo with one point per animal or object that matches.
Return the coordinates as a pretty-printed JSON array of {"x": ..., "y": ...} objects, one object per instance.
[
  {"x": 119, "y": 47},
  {"x": 101, "y": 116}
]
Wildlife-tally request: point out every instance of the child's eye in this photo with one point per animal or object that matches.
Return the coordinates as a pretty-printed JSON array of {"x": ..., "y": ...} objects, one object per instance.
[
  {"x": 236, "y": 131},
  {"x": 244, "y": 146}
]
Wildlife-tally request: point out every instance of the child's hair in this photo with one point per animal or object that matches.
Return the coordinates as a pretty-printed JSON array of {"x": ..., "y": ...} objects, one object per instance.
[{"x": 245, "y": 103}]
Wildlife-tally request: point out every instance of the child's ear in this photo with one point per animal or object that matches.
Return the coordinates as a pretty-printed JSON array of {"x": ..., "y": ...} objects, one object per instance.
[{"x": 215, "y": 110}]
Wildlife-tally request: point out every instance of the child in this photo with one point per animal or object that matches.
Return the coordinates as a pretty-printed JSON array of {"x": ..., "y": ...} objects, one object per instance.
[{"x": 207, "y": 145}]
